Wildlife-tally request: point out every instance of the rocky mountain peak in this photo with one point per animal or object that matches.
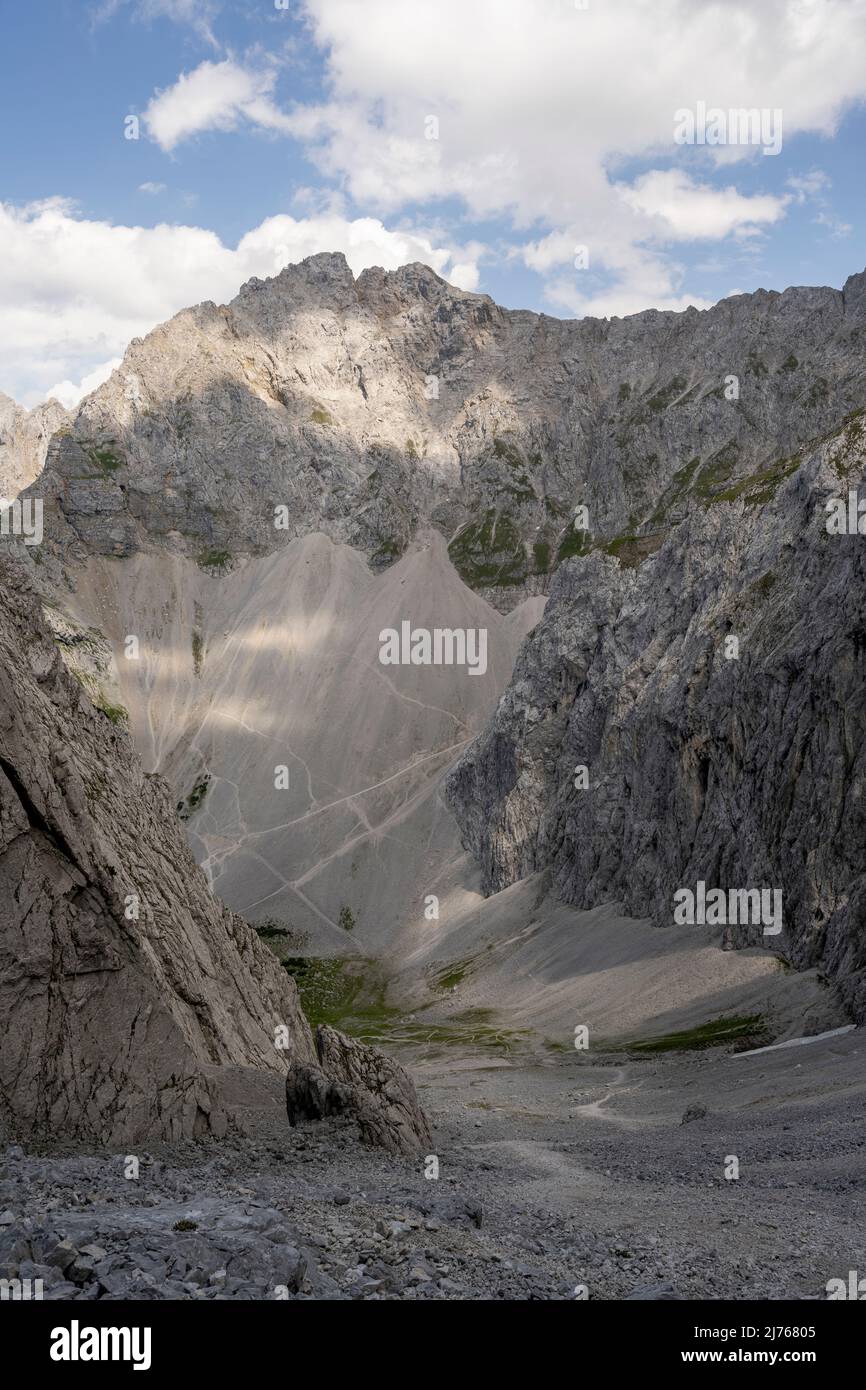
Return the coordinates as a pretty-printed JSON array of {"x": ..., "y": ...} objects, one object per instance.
[{"x": 24, "y": 440}]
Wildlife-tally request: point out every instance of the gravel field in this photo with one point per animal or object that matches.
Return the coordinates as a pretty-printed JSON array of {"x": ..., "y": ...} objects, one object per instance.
[{"x": 559, "y": 1178}]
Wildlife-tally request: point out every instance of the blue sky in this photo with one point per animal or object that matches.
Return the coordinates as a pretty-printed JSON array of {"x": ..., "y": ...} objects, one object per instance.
[{"x": 267, "y": 132}]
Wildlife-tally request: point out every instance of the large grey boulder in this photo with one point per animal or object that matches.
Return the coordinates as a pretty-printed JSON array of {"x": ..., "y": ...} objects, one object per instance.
[{"x": 363, "y": 1084}]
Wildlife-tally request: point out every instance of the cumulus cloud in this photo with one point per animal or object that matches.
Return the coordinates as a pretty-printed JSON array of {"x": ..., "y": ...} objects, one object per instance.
[
  {"x": 689, "y": 211},
  {"x": 215, "y": 96},
  {"x": 75, "y": 291},
  {"x": 523, "y": 91},
  {"x": 69, "y": 393},
  {"x": 518, "y": 112},
  {"x": 536, "y": 116}
]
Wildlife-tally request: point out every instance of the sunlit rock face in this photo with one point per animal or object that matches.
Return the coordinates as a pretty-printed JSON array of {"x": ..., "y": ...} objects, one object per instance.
[
  {"x": 372, "y": 408},
  {"x": 263, "y": 488},
  {"x": 135, "y": 1005},
  {"x": 133, "y": 1001},
  {"x": 24, "y": 439}
]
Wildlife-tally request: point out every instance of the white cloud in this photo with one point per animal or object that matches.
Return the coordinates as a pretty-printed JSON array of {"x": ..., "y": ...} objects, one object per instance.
[
  {"x": 75, "y": 291},
  {"x": 811, "y": 185},
  {"x": 152, "y": 188},
  {"x": 198, "y": 14},
  {"x": 528, "y": 93},
  {"x": 689, "y": 211},
  {"x": 465, "y": 276},
  {"x": 68, "y": 393},
  {"x": 835, "y": 225},
  {"x": 539, "y": 104},
  {"x": 214, "y": 96},
  {"x": 638, "y": 284}
]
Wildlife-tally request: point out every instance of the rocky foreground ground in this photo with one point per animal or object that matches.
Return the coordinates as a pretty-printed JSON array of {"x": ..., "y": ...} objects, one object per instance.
[{"x": 554, "y": 1177}]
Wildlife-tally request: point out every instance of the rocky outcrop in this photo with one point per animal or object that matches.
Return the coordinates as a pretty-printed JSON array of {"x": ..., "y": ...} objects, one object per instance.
[
  {"x": 369, "y": 408},
  {"x": 702, "y": 446},
  {"x": 130, "y": 996},
  {"x": 739, "y": 763},
  {"x": 134, "y": 1004},
  {"x": 363, "y": 1084},
  {"x": 24, "y": 439}
]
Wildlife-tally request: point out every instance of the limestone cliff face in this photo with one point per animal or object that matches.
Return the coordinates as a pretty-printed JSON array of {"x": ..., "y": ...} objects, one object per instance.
[
  {"x": 134, "y": 1004},
  {"x": 743, "y": 773},
  {"x": 368, "y": 408},
  {"x": 127, "y": 990},
  {"x": 24, "y": 440},
  {"x": 703, "y": 446}
]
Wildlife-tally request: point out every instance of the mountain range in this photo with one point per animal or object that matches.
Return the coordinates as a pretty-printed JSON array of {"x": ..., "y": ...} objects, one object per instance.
[{"x": 634, "y": 511}]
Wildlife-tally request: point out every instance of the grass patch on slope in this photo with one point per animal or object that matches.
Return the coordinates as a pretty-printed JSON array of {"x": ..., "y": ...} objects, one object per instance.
[
  {"x": 716, "y": 1033},
  {"x": 350, "y": 994},
  {"x": 489, "y": 552},
  {"x": 213, "y": 559}
]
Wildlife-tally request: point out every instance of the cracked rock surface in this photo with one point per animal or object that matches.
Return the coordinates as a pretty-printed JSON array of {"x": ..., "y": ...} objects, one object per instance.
[
  {"x": 746, "y": 772},
  {"x": 134, "y": 1003},
  {"x": 352, "y": 1079},
  {"x": 311, "y": 391}
]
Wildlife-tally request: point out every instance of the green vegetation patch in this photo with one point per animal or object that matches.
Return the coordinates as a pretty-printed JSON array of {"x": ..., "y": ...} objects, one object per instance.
[
  {"x": 346, "y": 993},
  {"x": 281, "y": 936},
  {"x": 717, "y": 1033},
  {"x": 631, "y": 551},
  {"x": 853, "y": 435},
  {"x": 106, "y": 460},
  {"x": 763, "y": 587},
  {"x": 717, "y": 470},
  {"x": 574, "y": 543},
  {"x": 386, "y": 553},
  {"x": 541, "y": 556},
  {"x": 213, "y": 559},
  {"x": 667, "y": 395},
  {"x": 520, "y": 487},
  {"x": 489, "y": 552},
  {"x": 819, "y": 392},
  {"x": 320, "y": 416},
  {"x": 448, "y": 977},
  {"x": 678, "y": 487},
  {"x": 555, "y": 507},
  {"x": 350, "y": 994},
  {"x": 504, "y": 449},
  {"x": 118, "y": 714},
  {"x": 190, "y": 804},
  {"x": 759, "y": 487}
]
